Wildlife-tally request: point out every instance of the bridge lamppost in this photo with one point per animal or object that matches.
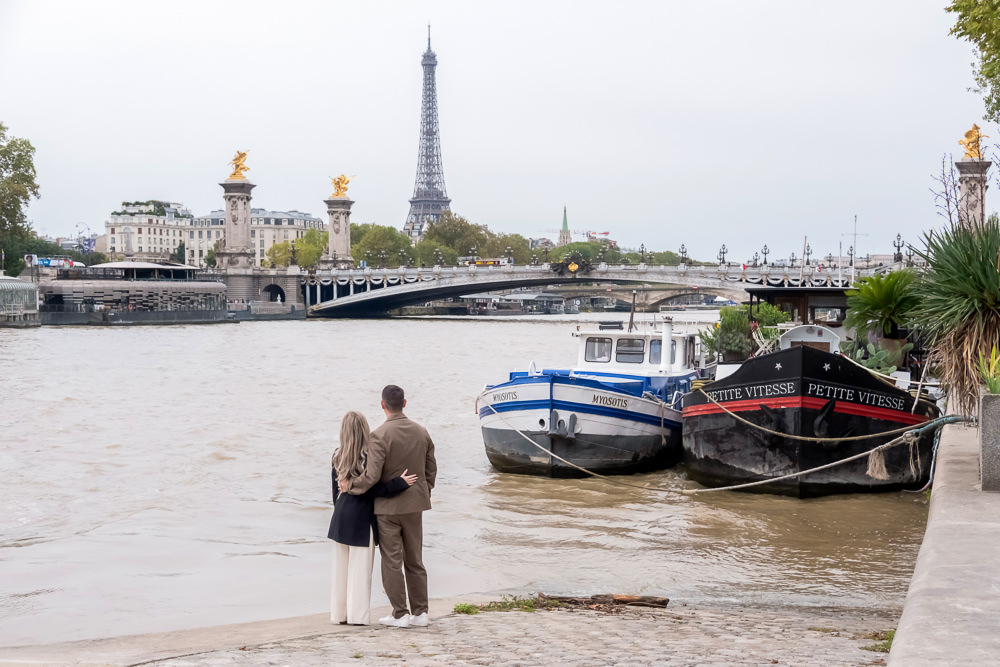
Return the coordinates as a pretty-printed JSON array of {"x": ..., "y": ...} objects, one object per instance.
[
  {"x": 368, "y": 257},
  {"x": 383, "y": 256},
  {"x": 534, "y": 258},
  {"x": 438, "y": 257},
  {"x": 809, "y": 252},
  {"x": 850, "y": 256},
  {"x": 642, "y": 253},
  {"x": 898, "y": 244},
  {"x": 510, "y": 255},
  {"x": 722, "y": 254},
  {"x": 909, "y": 256},
  {"x": 791, "y": 259},
  {"x": 829, "y": 259},
  {"x": 684, "y": 254},
  {"x": 474, "y": 252},
  {"x": 756, "y": 258},
  {"x": 764, "y": 251},
  {"x": 545, "y": 251}
]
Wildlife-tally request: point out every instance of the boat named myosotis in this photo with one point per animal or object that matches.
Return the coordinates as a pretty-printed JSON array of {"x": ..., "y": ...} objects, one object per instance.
[
  {"x": 806, "y": 390},
  {"x": 616, "y": 411}
]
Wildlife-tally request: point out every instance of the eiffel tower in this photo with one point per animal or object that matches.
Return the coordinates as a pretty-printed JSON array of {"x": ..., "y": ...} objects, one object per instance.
[{"x": 430, "y": 199}]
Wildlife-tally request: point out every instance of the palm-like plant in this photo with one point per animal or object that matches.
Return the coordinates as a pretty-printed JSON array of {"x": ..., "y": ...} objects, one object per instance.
[
  {"x": 959, "y": 307},
  {"x": 880, "y": 304}
]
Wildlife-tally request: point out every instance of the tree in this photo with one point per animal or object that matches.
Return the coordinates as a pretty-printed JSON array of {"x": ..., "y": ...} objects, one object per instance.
[
  {"x": 432, "y": 253},
  {"x": 308, "y": 250},
  {"x": 383, "y": 245},
  {"x": 210, "y": 255},
  {"x": 979, "y": 22},
  {"x": 178, "y": 255},
  {"x": 17, "y": 184},
  {"x": 456, "y": 232}
]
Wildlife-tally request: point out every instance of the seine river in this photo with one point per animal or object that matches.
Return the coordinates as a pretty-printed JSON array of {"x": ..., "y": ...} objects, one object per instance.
[{"x": 158, "y": 478}]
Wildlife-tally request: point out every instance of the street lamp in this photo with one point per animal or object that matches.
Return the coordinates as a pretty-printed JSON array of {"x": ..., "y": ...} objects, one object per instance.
[
  {"x": 809, "y": 252},
  {"x": 545, "y": 251},
  {"x": 510, "y": 255},
  {"x": 792, "y": 260},
  {"x": 765, "y": 250},
  {"x": 684, "y": 254},
  {"x": 642, "y": 253},
  {"x": 829, "y": 259},
  {"x": 909, "y": 256},
  {"x": 898, "y": 244},
  {"x": 850, "y": 256},
  {"x": 756, "y": 258},
  {"x": 722, "y": 254}
]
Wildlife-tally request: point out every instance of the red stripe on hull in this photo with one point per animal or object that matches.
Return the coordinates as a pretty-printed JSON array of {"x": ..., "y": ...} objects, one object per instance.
[{"x": 806, "y": 402}]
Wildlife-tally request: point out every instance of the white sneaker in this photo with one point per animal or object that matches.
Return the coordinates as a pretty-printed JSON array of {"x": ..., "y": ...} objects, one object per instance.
[
  {"x": 419, "y": 621},
  {"x": 393, "y": 622}
]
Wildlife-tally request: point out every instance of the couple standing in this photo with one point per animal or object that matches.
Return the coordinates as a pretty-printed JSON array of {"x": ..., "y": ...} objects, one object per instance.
[{"x": 377, "y": 501}]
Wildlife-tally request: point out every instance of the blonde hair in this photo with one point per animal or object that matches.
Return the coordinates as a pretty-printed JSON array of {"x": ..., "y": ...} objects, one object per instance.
[{"x": 349, "y": 459}]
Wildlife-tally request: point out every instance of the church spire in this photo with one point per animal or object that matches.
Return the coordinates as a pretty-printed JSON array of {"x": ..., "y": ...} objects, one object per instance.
[{"x": 564, "y": 236}]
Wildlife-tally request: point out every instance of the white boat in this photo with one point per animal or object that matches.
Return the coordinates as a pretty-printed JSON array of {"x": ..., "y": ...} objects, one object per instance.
[{"x": 616, "y": 411}]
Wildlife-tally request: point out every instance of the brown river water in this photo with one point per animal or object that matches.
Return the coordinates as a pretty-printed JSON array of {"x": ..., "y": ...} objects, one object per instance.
[{"x": 158, "y": 478}]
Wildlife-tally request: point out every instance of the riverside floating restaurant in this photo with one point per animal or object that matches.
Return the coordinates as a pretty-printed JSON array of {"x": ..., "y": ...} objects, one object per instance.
[
  {"x": 133, "y": 293},
  {"x": 18, "y": 303}
]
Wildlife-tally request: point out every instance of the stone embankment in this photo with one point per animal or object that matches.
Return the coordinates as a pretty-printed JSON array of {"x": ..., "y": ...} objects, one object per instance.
[
  {"x": 952, "y": 610},
  {"x": 679, "y": 635}
]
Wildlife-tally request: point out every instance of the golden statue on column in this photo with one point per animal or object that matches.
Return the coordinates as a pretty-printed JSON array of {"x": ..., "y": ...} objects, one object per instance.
[
  {"x": 971, "y": 143},
  {"x": 239, "y": 166},
  {"x": 340, "y": 186}
]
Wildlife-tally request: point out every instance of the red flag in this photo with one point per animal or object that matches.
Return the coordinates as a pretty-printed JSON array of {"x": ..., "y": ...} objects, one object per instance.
[{"x": 744, "y": 267}]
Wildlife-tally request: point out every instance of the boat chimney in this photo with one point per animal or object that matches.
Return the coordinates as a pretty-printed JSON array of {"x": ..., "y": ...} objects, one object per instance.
[{"x": 668, "y": 337}]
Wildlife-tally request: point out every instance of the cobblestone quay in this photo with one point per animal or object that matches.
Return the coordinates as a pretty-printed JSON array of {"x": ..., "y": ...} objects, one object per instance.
[{"x": 678, "y": 635}]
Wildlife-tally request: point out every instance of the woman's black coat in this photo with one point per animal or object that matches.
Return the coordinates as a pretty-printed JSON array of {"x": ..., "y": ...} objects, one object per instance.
[{"x": 354, "y": 515}]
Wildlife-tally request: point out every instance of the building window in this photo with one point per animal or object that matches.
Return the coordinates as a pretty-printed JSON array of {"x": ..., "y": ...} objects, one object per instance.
[
  {"x": 192, "y": 233},
  {"x": 112, "y": 230},
  {"x": 217, "y": 232},
  {"x": 262, "y": 244},
  {"x": 112, "y": 240},
  {"x": 253, "y": 233},
  {"x": 140, "y": 248},
  {"x": 201, "y": 253},
  {"x": 286, "y": 234},
  {"x": 200, "y": 234},
  {"x": 262, "y": 254}
]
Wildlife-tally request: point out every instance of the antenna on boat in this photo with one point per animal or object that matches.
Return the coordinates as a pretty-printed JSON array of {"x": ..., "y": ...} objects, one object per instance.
[{"x": 631, "y": 315}]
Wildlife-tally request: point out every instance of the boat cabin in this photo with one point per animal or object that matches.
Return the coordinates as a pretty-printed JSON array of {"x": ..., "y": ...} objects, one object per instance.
[
  {"x": 826, "y": 306},
  {"x": 816, "y": 337},
  {"x": 636, "y": 352}
]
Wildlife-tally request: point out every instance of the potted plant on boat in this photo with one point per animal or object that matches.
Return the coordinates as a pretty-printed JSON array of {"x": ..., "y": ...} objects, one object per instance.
[{"x": 878, "y": 306}]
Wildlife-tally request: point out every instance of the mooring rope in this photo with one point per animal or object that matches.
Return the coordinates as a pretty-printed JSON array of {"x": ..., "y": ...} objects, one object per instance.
[
  {"x": 910, "y": 435},
  {"x": 790, "y": 436}
]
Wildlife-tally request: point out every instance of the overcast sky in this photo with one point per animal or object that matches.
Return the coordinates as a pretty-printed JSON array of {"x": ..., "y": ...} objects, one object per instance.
[{"x": 662, "y": 123}]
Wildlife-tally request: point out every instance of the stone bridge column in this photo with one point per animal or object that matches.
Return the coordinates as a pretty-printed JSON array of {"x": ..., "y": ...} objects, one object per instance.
[{"x": 339, "y": 227}]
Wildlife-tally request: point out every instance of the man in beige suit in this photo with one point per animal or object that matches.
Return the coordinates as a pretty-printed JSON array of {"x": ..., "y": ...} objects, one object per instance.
[{"x": 397, "y": 445}]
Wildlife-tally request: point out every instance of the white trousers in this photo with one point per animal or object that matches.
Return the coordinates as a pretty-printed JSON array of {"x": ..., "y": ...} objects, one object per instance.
[{"x": 352, "y": 583}]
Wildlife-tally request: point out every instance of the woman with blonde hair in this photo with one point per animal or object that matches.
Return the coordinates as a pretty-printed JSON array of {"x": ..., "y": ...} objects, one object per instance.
[{"x": 353, "y": 527}]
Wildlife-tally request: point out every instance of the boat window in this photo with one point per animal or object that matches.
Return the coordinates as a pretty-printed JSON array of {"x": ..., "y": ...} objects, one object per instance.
[
  {"x": 656, "y": 348},
  {"x": 598, "y": 349},
  {"x": 630, "y": 350}
]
